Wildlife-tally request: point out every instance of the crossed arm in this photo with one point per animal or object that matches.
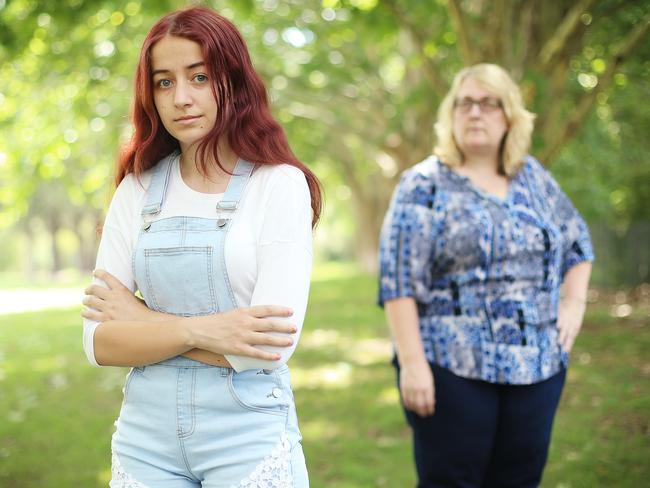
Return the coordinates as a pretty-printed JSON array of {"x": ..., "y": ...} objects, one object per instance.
[{"x": 131, "y": 334}]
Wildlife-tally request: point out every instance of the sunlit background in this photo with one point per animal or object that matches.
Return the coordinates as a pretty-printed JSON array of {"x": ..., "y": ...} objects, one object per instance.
[{"x": 356, "y": 84}]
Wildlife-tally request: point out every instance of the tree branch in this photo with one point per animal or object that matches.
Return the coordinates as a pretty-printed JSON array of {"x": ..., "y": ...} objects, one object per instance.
[
  {"x": 492, "y": 35},
  {"x": 351, "y": 178},
  {"x": 583, "y": 109},
  {"x": 506, "y": 48},
  {"x": 462, "y": 28},
  {"x": 555, "y": 43},
  {"x": 419, "y": 38},
  {"x": 524, "y": 20},
  {"x": 367, "y": 124}
]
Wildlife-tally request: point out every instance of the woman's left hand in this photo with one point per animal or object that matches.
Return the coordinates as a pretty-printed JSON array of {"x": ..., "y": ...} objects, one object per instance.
[
  {"x": 116, "y": 302},
  {"x": 569, "y": 321}
]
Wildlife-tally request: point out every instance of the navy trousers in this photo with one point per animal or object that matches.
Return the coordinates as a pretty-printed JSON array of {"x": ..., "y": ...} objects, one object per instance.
[{"x": 483, "y": 434}]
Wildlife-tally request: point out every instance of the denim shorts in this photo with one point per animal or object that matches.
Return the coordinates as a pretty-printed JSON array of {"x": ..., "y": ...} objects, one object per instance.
[{"x": 185, "y": 424}]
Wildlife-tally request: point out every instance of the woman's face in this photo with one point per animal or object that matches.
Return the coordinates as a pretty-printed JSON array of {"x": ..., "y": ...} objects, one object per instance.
[
  {"x": 182, "y": 89},
  {"x": 479, "y": 120}
]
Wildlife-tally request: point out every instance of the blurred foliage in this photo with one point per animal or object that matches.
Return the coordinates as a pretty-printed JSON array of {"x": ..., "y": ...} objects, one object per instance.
[{"x": 356, "y": 83}]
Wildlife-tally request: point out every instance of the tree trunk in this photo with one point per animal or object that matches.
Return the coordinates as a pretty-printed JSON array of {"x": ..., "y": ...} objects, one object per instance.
[
  {"x": 369, "y": 218},
  {"x": 86, "y": 230},
  {"x": 28, "y": 260},
  {"x": 53, "y": 226}
]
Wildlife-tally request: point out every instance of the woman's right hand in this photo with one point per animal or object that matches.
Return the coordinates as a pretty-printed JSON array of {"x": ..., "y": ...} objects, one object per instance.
[
  {"x": 114, "y": 301},
  {"x": 238, "y": 331},
  {"x": 417, "y": 388}
]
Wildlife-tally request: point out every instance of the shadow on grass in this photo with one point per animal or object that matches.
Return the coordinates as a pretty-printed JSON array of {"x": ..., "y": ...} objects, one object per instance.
[{"x": 58, "y": 411}]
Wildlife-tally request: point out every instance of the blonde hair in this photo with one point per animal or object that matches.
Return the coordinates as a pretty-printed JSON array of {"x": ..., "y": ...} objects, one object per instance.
[{"x": 520, "y": 121}]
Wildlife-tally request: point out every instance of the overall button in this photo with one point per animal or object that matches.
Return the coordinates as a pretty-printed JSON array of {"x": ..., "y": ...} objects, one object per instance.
[
  {"x": 222, "y": 223},
  {"x": 277, "y": 392}
]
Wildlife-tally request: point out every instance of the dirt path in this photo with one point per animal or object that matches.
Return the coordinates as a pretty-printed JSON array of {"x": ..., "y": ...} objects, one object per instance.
[{"x": 32, "y": 300}]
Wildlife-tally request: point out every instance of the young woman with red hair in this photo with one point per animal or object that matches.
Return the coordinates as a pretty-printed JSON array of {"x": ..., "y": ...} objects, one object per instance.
[{"x": 211, "y": 221}]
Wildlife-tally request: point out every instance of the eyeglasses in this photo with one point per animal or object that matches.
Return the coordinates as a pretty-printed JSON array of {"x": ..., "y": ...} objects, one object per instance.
[{"x": 486, "y": 105}]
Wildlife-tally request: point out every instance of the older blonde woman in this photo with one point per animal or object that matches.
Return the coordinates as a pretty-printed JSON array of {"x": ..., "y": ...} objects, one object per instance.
[{"x": 476, "y": 243}]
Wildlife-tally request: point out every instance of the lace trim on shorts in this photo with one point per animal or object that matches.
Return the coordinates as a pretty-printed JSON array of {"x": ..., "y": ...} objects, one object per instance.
[
  {"x": 120, "y": 478},
  {"x": 274, "y": 471}
]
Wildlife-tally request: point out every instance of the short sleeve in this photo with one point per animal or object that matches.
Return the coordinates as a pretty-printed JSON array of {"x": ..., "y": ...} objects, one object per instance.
[
  {"x": 577, "y": 241},
  {"x": 284, "y": 257},
  {"x": 406, "y": 238}
]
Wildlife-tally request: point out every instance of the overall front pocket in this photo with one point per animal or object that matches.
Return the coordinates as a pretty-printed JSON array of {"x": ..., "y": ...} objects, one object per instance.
[
  {"x": 264, "y": 391},
  {"x": 180, "y": 280}
]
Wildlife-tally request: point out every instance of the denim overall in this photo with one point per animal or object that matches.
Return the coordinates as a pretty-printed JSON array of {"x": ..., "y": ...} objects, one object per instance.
[{"x": 185, "y": 424}]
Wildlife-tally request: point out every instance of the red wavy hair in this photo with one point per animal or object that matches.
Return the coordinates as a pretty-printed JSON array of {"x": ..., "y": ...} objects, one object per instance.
[{"x": 244, "y": 113}]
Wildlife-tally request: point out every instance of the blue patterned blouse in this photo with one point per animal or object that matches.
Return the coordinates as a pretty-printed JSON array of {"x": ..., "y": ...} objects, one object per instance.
[{"x": 485, "y": 272}]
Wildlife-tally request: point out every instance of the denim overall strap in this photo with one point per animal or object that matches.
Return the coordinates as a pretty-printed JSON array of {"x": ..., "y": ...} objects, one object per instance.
[
  {"x": 158, "y": 187},
  {"x": 226, "y": 209}
]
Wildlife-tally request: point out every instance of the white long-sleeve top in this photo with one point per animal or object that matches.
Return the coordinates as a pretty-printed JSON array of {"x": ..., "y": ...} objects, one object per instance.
[{"x": 268, "y": 248}]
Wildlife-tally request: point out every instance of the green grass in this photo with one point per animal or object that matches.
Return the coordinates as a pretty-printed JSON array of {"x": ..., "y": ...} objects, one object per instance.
[{"x": 57, "y": 411}]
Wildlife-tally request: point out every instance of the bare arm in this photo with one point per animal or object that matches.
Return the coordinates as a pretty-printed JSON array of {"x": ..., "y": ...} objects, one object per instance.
[
  {"x": 201, "y": 355},
  {"x": 131, "y": 334},
  {"x": 118, "y": 303},
  {"x": 403, "y": 321},
  {"x": 416, "y": 380},
  {"x": 134, "y": 343},
  {"x": 576, "y": 282},
  {"x": 573, "y": 303},
  {"x": 131, "y": 343}
]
